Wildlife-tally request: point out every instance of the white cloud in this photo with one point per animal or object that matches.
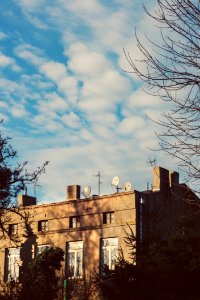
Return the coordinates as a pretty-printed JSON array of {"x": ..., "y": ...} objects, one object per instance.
[
  {"x": 31, "y": 5},
  {"x": 85, "y": 62},
  {"x": 56, "y": 103},
  {"x": 69, "y": 87},
  {"x": 46, "y": 124},
  {"x": 6, "y": 61},
  {"x": 103, "y": 86},
  {"x": 18, "y": 111},
  {"x": 130, "y": 125},
  {"x": 141, "y": 99},
  {"x": 30, "y": 53},
  {"x": 3, "y": 36},
  {"x": 71, "y": 120},
  {"x": 54, "y": 70}
]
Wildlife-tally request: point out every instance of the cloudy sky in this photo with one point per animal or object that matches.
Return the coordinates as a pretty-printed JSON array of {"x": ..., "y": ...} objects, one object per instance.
[{"x": 65, "y": 96}]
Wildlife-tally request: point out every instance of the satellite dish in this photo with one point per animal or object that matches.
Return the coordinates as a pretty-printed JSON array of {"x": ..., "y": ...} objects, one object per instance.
[
  {"x": 115, "y": 181},
  {"x": 86, "y": 191},
  {"x": 126, "y": 187}
]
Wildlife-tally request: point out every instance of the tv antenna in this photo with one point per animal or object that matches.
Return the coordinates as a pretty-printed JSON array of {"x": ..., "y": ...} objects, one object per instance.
[
  {"x": 35, "y": 186},
  {"x": 99, "y": 181},
  {"x": 152, "y": 163}
]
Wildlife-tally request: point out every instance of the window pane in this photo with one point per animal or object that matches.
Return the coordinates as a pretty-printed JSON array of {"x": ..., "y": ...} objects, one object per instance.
[
  {"x": 71, "y": 264},
  {"x": 13, "y": 262},
  {"x": 109, "y": 252},
  {"x": 41, "y": 248},
  {"x": 105, "y": 257},
  {"x": 43, "y": 226},
  {"x": 114, "y": 253},
  {"x": 79, "y": 264},
  {"x": 75, "y": 259}
]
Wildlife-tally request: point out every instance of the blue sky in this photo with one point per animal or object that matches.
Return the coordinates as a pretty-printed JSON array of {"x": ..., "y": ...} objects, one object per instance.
[{"x": 64, "y": 96}]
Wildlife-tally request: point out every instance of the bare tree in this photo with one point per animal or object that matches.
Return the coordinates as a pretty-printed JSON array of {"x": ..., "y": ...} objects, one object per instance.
[
  {"x": 13, "y": 178},
  {"x": 171, "y": 70}
]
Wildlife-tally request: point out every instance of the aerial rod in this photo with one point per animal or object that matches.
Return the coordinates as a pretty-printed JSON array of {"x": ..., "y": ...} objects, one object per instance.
[{"x": 99, "y": 181}]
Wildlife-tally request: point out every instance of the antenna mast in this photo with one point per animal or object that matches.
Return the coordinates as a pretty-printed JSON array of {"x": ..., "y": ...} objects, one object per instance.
[
  {"x": 152, "y": 163},
  {"x": 99, "y": 181}
]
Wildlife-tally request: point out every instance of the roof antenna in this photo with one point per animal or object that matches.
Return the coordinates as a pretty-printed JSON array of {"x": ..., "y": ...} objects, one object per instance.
[
  {"x": 152, "y": 163},
  {"x": 99, "y": 181}
]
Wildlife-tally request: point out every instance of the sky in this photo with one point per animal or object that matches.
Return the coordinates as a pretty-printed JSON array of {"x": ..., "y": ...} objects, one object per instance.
[{"x": 67, "y": 94}]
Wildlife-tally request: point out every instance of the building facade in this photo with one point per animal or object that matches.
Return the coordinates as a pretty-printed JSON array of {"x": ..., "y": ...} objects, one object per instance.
[{"x": 91, "y": 231}]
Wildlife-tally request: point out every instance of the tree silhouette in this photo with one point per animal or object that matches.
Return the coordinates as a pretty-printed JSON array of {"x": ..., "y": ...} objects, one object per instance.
[
  {"x": 171, "y": 70},
  {"x": 13, "y": 178},
  {"x": 40, "y": 280}
]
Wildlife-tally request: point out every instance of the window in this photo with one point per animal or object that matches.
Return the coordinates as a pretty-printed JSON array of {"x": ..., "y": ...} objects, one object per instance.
[
  {"x": 13, "y": 229},
  {"x": 75, "y": 259},
  {"x": 40, "y": 248},
  {"x": 13, "y": 263},
  {"x": 43, "y": 226},
  {"x": 74, "y": 222},
  {"x": 108, "y": 217},
  {"x": 109, "y": 252}
]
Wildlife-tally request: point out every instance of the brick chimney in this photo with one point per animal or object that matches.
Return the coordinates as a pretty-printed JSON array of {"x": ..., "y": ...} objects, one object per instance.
[
  {"x": 173, "y": 178},
  {"x": 73, "y": 192},
  {"x": 25, "y": 200},
  {"x": 160, "y": 179},
  {"x": 163, "y": 179}
]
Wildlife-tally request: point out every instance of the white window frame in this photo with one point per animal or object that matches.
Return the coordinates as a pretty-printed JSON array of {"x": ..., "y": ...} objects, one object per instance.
[
  {"x": 13, "y": 263},
  {"x": 40, "y": 248},
  {"x": 108, "y": 246},
  {"x": 75, "y": 248}
]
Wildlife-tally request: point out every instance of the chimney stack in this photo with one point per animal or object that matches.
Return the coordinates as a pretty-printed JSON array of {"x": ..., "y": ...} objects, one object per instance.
[
  {"x": 73, "y": 192},
  {"x": 164, "y": 179},
  {"x": 25, "y": 200},
  {"x": 160, "y": 179},
  {"x": 173, "y": 178}
]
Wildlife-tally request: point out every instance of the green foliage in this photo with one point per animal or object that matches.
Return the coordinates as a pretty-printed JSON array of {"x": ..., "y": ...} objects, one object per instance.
[{"x": 40, "y": 281}]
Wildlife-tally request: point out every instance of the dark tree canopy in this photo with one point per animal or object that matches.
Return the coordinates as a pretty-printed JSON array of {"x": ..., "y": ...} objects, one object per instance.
[
  {"x": 13, "y": 178},
  {"x": 40, "y": 281},
  {"x": 171, "y": 70},
  {"x": 168, "y": 269}
]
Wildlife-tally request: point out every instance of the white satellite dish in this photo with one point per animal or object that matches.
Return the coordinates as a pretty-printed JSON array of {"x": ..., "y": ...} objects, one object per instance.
[
  {"x": 86, "y": 191},
  {"x": 126, "y": 186},
  {"x": 115, "y": 181}
]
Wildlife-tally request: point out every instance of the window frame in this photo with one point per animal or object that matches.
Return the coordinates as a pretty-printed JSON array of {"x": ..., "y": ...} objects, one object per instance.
[
  {"x": 108, "y": 217},
  {"x": 37, "y": 247},
  {"x": 76, "y": 252},
  {"x": 109, "y": 248},
  {"x": 12, "y": 263},
  {"x": 13, "y": 229},
  {"x": 43, "y": 226},
  {"x": 76, "y": 224}
]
